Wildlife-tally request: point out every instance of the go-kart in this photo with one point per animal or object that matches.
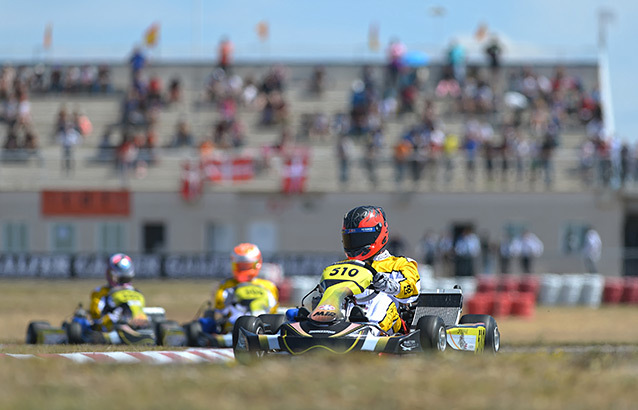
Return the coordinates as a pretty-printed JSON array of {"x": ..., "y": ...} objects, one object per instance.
[
  {"x": 211, "y": 329},
  {"x": 435, "y": 322},
  {"x": 78, "y": 329}
]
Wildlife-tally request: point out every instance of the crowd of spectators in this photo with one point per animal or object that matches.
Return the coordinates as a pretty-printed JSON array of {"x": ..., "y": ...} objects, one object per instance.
[
  {"x": 464, "y": 252},
  {"x": 463, "y": 120}
]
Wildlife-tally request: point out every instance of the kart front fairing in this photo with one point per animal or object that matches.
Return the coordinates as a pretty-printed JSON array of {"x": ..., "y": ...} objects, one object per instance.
[{"x": 326, "y": 327}]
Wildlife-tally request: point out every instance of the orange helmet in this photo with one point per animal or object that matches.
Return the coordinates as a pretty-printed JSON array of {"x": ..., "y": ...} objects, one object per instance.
[
  {"x": 246, "y": 262},
  {"x": 364, "y": 232}
]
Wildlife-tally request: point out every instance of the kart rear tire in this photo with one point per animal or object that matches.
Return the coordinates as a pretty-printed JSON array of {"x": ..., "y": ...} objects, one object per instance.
[
  {"x": 492, "y": 334},
  {"x": 433, "y": 336},
  {"x": 74, "y": 333},
  {"x": 192, "y": 331},
  {"x": 244, "y": 353},
  {"x": 33, "y": 329},
  {"x": 161, "y": 328},
  {"x": 272, "y": 321}
]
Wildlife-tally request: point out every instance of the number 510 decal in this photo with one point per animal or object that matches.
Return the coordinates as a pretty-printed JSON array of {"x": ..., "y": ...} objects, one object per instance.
[{"x": 351, "y": 271}]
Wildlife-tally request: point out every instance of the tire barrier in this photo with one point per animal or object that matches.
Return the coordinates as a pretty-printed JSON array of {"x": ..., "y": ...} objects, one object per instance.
[{"x": 621, "y": 291}]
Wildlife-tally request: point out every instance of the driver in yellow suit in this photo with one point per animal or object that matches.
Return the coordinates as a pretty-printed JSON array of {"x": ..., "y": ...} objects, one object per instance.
[
  {"x": 118, "y": 299},
  {"x": 245, "y": 293},
  {"x": 365, "y": 236}
]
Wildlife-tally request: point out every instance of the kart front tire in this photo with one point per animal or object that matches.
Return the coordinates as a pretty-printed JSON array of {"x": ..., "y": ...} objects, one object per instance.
[
  {"x": 192, "y": 331},
  {"x": 433, "y": 336},
  {"x": 162, "y": 328},
  {"x": 74, "y": 333},
  {"x": 244, "y": 353},
  {"x": 492, "y": 334},
  {"x": 33, "y": 329}
]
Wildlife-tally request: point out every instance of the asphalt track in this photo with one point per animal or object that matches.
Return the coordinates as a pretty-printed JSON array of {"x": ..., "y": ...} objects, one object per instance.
[{"x": 205, "y": 355}]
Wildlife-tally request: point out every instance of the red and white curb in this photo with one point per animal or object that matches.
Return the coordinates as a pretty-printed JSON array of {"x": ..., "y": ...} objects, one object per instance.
[{"x": 151, "y": 357}]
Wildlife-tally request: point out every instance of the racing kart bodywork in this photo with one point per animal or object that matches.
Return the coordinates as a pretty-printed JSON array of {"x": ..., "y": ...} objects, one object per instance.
[
  {"x": 75, "y": 331},
  {"x": 211, "y": 329},
  {"x": 435, "y": 322}
]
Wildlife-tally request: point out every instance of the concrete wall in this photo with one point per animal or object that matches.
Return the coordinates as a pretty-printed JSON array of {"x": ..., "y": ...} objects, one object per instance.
[{"x": 311, "y": 223}]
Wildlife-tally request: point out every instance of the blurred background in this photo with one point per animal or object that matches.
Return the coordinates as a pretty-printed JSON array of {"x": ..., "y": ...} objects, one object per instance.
[{"x": 174, "y": 131}]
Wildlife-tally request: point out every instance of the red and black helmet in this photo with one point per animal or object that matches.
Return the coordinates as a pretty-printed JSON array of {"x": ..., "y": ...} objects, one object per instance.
[{"x": 364, "y": 232}]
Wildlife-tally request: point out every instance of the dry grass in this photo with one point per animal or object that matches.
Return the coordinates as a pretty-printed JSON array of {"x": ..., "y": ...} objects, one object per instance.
[
  {"x": 524, "y": 381},
  {"x": 24, "y": 301}
]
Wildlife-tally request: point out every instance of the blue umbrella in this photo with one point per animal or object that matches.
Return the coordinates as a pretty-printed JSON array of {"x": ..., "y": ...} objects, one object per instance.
[{"x": 415, "y": 59}]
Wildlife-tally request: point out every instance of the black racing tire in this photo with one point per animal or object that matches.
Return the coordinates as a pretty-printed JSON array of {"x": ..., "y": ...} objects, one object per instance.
[
  {"x": 272, "y": 322},
  {"x": 33, "y": 329},
  {"x": 492, "y": 334},
  {"x": 433, "y": 336},
  {"x": 162, "y": 328},
  {"x": 244, "y": 354},
  {"x": 192, "y": 331},
  {"x": 74, "y": 333}
]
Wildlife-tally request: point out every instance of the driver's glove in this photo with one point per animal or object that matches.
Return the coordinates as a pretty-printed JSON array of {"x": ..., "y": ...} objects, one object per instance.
[{"x": 384, "y": 283}]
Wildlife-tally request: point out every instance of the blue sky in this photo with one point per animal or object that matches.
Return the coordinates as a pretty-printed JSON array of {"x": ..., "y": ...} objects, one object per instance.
[{"x": 330, "y": 29}]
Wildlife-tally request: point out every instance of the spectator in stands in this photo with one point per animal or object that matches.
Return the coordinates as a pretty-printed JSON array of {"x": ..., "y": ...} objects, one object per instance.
[
  {"x": 11, "y": 142},
  {"x": 345, "y": 152},
  {"x": 373, "y": 145},
  {"x": 396, "y": 50},
  {"x": 30, "y": 140},
  {"x": 466, "y": 248},
  {"x": 154, "y": 91},
  {"x": 82, "y": 123},
  {"x": 88, "y": 77},
  {"x": 428, "y": 248},
  {"x": 592, "y": 249},
  {"x": 225, "y": 54},
  {"x": 508, "y": 249},
  {"x": 457, "y": 61},
  {"x": 402, "y": 151},
  {"x": 55, "y": 79},
  {"x": 137, "y": 62},
  {"x": 471, "y": 145},
  {"x": 174, "y": 91},
  {"x": 183, "y": 136},
  {"x": 317, "y": 81},
  {"x": 529, "y": 247},
  {"x": 103, "y": 82},
  {"x": 68, "y": 139},
  {"x": 494, "y": 52}
]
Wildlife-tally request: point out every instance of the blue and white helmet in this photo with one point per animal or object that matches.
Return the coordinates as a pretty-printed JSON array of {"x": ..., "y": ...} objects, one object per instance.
[{"x": 120, "y": 269}]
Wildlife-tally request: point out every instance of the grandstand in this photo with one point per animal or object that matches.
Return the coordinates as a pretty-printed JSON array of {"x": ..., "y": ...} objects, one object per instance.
[{"x": 160, "y": 220}]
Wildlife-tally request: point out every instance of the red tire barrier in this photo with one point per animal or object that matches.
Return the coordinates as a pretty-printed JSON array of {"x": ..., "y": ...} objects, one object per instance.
[
  {"x": 480, "y": 304},
  {"x": 509, "y": 283},
  {"x": 613, "y": 290},
  {"x": 502, "y": 304},
  {"x": 486, "y": 284},
  {"x": 524, "y": 304},
  {"x": 630, "y": 291},
  {"x": 530, "y": 284}
]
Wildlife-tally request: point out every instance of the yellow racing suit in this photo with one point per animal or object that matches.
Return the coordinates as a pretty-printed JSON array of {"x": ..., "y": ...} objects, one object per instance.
[
  {"x": 97, "y": 295},
  {"x": 122, "y": 304},
  {"x": 234, "y": 299},
  {"x": 382, "y": 307}
]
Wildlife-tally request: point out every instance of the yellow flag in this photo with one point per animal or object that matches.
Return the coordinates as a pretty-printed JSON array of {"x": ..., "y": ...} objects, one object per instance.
[
  {"x": 152, "y": 35},
  {"x": 262, "y": 30},
  {"x": 481, "y": 32},
  {"x": 373, "y": 37},
  {"x": 48, "y": 36}
]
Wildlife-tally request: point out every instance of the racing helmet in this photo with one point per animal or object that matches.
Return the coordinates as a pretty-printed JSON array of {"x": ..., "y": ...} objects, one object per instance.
[
  {"x": 365, "y": 232},
  {"x": 246, "y": 262},
  {"x": 120, "y": 269}
]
